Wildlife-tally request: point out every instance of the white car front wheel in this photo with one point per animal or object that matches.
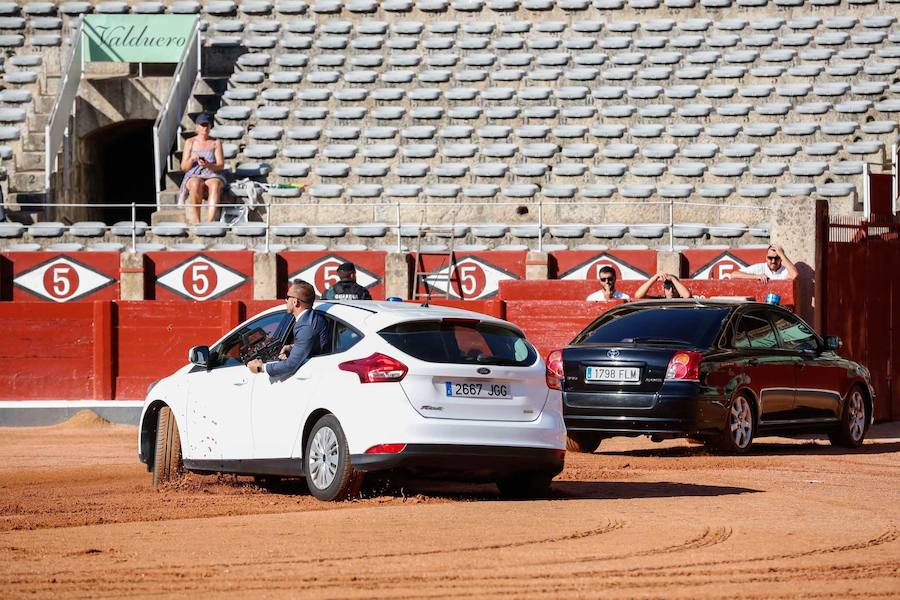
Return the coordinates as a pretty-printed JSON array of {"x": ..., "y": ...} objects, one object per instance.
[{"x": 329, "y": 472}]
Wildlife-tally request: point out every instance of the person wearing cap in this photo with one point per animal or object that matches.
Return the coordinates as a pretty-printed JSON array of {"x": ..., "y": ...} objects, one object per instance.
[
  {"x": 777, "y": 266},
  {"x": 347, "y": 288},
  {"x": 202, "y": 161}
]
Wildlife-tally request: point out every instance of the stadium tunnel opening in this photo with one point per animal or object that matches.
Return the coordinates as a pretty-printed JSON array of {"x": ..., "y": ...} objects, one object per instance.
[{"x": 121, "y": 170}]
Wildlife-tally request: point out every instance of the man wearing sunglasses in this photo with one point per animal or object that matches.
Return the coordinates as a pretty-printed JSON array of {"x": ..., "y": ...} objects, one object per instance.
[
  {"x": 777, "y": 266},
  {"x": 607, "y": 291},
  {"x": 310, "y": 333}
]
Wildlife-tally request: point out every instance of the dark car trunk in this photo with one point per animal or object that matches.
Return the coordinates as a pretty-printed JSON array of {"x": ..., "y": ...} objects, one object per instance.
[{"x": 608, "y": 366}]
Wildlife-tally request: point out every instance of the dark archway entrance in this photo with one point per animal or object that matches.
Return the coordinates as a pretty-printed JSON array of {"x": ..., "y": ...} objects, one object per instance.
[{"x": 121, "y": 170}]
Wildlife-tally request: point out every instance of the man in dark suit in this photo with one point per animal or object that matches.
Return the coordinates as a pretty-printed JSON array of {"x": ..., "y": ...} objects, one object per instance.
[{"x": 310, "y": 334}]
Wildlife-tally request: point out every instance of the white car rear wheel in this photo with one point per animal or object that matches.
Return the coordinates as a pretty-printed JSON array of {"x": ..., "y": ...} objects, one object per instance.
[{"x": 329, "y": 472}]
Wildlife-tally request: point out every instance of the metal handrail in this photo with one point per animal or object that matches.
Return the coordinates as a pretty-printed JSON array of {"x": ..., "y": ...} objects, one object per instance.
[
  {"x": 419, "y": 204},
  {"x": 168, "y": 122},
  {"x": 397, "y": 226},
  {"x": 57, "y": 125}
]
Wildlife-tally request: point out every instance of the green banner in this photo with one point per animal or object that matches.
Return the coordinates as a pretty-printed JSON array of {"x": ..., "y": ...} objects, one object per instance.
[{"x": 136, "y": 38}]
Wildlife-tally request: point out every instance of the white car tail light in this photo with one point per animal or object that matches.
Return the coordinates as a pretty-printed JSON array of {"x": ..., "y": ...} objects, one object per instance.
[
  {"x": 554, "y": 374},
  {"x": 684, "y": 366},
  {"x": 376, "y": 368}
]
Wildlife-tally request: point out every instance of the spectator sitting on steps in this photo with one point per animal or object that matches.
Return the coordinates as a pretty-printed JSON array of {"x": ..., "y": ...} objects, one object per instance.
[
  {"x": 347, "y": 288},
  {"x": 777, "y": 266},
  {"x": 672, "y": 287},
  {"x": 202, "y": 161},
  {"x": 608, "y": 292}
]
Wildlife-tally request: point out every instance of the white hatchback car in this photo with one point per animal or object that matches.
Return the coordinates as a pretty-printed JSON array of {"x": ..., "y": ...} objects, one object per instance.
[{"x": 429, "y": 390}]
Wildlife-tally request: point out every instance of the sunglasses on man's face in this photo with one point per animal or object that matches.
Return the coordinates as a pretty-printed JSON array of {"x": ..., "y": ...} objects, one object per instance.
[
  {"x": 607, "y": 279},
  {"x": 773, "y": 258},
  {"x": 294, "y": 297}
]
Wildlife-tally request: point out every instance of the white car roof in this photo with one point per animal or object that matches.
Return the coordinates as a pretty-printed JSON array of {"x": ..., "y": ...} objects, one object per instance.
[
  {"x": 375, "y": 315},
  {"x": 369, "y": 315}
]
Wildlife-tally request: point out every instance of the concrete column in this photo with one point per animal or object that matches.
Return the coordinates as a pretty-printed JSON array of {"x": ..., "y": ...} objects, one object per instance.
[
  {"x": 131, "y": 278},
  {"x": 397, "y": 275},
  {"x": 669, "y": 262},
  {"x": 793, "y": 226},
  {"x": 536, "y": 265},
  {"x": 265, "y": 276}
]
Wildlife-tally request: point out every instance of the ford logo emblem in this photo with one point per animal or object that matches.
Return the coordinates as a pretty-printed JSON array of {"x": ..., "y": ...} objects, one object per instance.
[
  {"x": 613, "y": 353},
  {"x": 483, "y": 370}
]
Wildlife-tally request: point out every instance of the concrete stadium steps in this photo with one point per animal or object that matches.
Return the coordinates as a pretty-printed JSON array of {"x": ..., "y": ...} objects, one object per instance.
[
  {"x": 728, "y": 101},
  {"x": 598, "y": 100}
]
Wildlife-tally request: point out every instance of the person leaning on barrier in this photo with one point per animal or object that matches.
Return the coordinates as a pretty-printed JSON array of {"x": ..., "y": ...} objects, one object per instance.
[
  {"x": 607, "y": 277},
  {"x": 347, "y": 288},
  {"x": 672, "y": 287},
  {"x": 777, "y": 266},
  {"x": 310, "y": 334}
]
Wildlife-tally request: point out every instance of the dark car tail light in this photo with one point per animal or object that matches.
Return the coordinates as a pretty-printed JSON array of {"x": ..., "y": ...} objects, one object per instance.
[
  {"x": 386, "y": 449},
  {"x": 376, "y": 368},
  {"x": 554, "y": 374},
  {"x": 684, "y": 366}
]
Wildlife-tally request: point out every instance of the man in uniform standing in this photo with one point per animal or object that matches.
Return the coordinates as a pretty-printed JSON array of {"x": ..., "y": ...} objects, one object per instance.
[{"x": 347, "y": 288}]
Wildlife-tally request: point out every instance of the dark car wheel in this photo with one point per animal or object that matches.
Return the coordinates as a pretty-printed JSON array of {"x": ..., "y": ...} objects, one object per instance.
[
  {"x": 852, "y": 430},
  {"x": 167, "y": 462},
  {"x": 525, "y": 485},
  {"x": 740, "y": 427},
  {"x": 583, "y": 441},
  {"x": 329, "y": 473}
]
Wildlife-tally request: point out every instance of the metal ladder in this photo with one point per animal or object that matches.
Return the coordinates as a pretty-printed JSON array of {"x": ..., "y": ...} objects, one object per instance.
[{"x": 420, "y": 280}]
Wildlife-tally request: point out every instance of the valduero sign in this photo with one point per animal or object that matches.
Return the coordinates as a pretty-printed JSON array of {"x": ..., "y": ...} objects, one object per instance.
[{"x": 136, "y": 38}]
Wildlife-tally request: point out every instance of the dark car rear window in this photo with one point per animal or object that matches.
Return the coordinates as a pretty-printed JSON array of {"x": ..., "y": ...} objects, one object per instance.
[
  {"x": 460, "y": 342},
  {"x": 696, "y": 327}
]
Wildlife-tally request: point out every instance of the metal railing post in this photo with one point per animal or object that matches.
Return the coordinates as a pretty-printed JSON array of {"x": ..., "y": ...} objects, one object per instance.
[
  {"x": 399, "y": 242},
  {"x": 268, "y": 221},
  {"x": 867, "y": 208},
  {"x": 540, "y": 225},
  {"x": 133, "y": 227},
  {"x": 671, "y": 224},
  {"x": 895, "y": 179}
]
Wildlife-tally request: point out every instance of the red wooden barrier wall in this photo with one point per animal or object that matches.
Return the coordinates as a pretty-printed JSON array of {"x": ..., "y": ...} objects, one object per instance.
[
  {"x": 551, "y": 324},
  {"x": 153, "y": 339},
  {"x": 705, "y": 288},
  {"x": 54, "y": 351}
]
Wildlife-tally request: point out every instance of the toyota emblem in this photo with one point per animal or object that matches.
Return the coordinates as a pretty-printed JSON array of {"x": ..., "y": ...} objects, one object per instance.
[{"x": 613, "y": 353}]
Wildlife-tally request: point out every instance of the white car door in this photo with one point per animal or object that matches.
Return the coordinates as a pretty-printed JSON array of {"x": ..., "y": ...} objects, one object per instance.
[
  {"x": 280, "y": 407},
  {"x": 219, "y": 405},
  {"x": 218, "y": 413}
]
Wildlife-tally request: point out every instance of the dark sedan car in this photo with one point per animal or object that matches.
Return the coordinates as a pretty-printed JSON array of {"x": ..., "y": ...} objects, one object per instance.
[{"x": 716, "y": 371}]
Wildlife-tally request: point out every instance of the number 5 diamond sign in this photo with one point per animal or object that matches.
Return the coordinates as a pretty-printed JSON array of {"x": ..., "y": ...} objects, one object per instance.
[
  {"x": 201, "y": 278},
  {"x": 62, "y": 279}
]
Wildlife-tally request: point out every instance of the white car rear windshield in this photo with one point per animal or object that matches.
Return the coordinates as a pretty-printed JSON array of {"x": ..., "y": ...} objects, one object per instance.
[{"x": 461, "y": 341}]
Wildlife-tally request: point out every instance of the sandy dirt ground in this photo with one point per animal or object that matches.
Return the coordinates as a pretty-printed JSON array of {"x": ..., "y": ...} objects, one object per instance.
[{"x": 795, "y": 519}]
